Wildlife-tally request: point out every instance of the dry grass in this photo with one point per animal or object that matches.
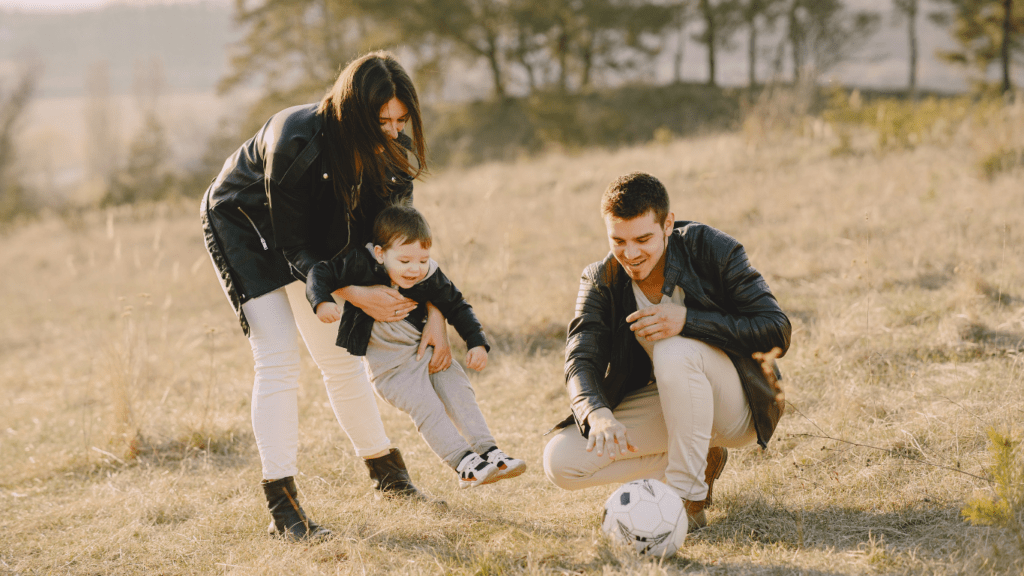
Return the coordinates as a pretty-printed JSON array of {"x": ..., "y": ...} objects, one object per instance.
[{"x": 126, "y": 446}]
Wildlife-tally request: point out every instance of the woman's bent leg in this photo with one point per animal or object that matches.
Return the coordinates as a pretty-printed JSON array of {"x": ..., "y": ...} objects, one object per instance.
[
  {"x": 348, "y": 387},
  {"x": 275, "y": 413}
]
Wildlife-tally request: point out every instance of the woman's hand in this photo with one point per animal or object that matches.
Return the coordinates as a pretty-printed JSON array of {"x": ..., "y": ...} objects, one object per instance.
[
  {"x": 382, "y": 303},
  {"x": 476, "y": 358},
  {"x": 435, "y": 333},
  {"x": 607, "y": 434}
]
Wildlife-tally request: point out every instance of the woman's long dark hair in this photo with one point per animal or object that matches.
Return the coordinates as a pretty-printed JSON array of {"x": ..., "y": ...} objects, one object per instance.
[{"x": 359, "y": 151}]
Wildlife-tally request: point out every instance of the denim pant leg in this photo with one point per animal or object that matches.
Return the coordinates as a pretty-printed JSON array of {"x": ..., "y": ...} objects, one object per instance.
[
  {"x": 348, "y": 386},
  {"x": 703, "y": 405},
  {"x": 568, "y": 464},
  {"x": 275, "y": 412}
]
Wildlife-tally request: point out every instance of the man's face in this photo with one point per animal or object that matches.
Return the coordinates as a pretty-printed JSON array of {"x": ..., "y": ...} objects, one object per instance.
[{"x": 638, "y": 244}]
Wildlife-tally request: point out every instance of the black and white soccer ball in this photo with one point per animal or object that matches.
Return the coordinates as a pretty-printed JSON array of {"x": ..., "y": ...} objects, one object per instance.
[{"x": 646, "y": 515}]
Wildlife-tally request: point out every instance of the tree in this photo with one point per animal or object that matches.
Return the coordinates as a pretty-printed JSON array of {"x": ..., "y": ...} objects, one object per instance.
[
  {"x": 823, "y": 33},
  {"x": 475, "y": 28},
  {"x": 752, "y": 14},
  {"x": 102, "y": 142},
  {"x": 987, "y": 31},
  {"x": 13, "y": 104},
  {"x": 147, "y": 173},
  {"x": 719, "y": 24},
  {"x": 296, "y": 49},
  {"x": 680, "y": 20},
  {"x": 907, "y": 10},
  {"x": 583, "y": 39}
]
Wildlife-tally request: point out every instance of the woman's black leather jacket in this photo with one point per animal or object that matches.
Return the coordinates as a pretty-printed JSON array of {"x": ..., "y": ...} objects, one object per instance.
[{"x": 272, "y": 213}]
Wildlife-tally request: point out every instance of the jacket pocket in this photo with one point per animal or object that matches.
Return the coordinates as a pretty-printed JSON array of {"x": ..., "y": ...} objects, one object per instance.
[{"x": 263, "y": 241}]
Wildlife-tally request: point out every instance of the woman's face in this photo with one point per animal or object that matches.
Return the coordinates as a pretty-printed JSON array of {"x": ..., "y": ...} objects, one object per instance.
[{"x": 393, "y": 117}]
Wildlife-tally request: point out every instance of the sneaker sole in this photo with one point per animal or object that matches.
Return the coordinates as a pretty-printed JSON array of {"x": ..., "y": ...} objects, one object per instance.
[{"x": 510, "y": 473}]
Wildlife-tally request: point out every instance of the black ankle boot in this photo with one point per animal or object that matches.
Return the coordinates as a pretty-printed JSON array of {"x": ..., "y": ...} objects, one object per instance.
[
  {"x": 290, "y": 520},
  {"x": 391, "y": 478}
]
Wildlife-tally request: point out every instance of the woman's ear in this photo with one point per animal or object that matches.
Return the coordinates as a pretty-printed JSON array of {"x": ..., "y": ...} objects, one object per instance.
[{"x": 378, "y": 254}]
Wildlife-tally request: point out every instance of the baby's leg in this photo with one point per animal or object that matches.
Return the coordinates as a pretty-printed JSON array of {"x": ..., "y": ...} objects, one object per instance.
[
  {"x": 404, "y": 382},
  {"x": 456, "y": 393}
]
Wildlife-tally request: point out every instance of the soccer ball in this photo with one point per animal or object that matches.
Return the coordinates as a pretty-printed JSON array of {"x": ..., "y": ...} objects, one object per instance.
[{"x": 646, "y": 515}]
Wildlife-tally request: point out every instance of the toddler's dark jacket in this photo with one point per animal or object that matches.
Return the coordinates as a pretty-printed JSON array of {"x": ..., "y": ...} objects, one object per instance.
[{"x": 359, "y": 268}]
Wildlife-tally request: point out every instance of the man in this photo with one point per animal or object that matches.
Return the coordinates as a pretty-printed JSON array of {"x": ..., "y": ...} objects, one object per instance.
[{"x": 660, "y": 359}]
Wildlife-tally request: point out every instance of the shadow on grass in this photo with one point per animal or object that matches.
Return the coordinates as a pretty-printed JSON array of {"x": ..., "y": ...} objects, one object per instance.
[
  {"x": 910, "y": 531},
  {"x": 223, "y": 451}
]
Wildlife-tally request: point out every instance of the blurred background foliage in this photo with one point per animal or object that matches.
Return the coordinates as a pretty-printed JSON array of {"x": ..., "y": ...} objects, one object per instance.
[{"x": 500, "y": 79}]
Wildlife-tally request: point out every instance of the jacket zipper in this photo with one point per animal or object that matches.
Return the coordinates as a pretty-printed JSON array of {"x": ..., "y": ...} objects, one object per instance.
[{"x": 262, "y": 241}]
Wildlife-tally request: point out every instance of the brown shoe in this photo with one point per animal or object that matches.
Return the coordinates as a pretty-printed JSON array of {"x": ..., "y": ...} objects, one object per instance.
[
  {"x": 695, "y": 516},
  {"x": 717, "y": 457}
]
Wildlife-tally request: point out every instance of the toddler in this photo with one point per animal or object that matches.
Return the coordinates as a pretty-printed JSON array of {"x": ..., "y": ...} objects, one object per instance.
[{"x": 443, "y": 405}]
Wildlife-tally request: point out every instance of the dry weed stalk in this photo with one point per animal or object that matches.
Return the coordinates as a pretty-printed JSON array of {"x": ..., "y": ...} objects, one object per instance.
[{"x": 126, "y": 365}]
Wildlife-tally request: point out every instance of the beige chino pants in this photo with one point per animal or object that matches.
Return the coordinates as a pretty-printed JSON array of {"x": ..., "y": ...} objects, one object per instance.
[{"x": 697, "y": 403}]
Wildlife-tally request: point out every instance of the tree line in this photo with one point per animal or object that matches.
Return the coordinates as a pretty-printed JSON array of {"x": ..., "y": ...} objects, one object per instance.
[
  {"x": 561, "y": 53},
  {"x": 571, "y": 46}
]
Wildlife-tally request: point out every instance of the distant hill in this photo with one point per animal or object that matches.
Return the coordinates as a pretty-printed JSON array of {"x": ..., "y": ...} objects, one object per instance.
[{"x": 190, "y": 40}]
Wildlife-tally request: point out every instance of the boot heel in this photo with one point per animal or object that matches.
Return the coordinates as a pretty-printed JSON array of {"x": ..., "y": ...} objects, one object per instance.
[
  {"x": 289, "y": 520},
  {"x": 391, "y": 479}
]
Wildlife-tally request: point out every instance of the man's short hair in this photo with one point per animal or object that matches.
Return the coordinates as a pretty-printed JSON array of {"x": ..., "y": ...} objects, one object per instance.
[
  {"x": 402, "y": 224},
  {"x": 633, "y": 195}
]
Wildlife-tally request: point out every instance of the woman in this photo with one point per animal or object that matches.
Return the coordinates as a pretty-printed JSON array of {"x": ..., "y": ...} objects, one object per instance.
[{"x": 308, "y": 186}]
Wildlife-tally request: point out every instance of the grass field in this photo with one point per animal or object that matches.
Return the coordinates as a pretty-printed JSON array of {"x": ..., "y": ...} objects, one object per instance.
[{"x": 126, "y": 448}]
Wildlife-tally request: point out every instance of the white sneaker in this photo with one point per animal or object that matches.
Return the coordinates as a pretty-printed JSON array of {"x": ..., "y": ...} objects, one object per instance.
[
  {"x": 508, "y": 467},
  {"x": 474, "y": 471}
]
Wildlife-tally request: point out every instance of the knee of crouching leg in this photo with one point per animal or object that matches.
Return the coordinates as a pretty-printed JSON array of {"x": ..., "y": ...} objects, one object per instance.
[
  {"x": 676, "y": 356},
  {"x": 555, "y": 460}
]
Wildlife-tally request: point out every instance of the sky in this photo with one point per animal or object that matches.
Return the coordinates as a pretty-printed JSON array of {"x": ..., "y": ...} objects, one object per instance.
[{"x": 74, "y": 5}]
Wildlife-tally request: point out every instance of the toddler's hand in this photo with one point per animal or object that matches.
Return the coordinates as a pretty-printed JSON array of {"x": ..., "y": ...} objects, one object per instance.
[
  {"x": 328, "y": 312},
  {"x": 476, "y": 358}
]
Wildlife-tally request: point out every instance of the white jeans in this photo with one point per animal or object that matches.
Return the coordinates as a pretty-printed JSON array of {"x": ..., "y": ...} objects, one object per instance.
[
  {"x": 697, "y": 403},
  {"x": 276, "y": 320}
]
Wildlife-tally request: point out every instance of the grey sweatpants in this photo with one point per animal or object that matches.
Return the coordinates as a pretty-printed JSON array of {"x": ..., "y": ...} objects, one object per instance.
[{"x": 442, "y": 405}]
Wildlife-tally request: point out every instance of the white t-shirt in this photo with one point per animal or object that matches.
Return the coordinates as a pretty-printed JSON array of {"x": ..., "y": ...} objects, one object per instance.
[{"x": 642, "y": 302}]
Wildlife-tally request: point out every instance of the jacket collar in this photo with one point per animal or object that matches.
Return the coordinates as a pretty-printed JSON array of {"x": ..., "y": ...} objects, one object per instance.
[{"x": 679, "y": 266}]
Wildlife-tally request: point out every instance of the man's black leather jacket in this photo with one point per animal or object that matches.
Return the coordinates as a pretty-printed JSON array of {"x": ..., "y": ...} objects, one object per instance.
[
  {"x": 728, "y": 305},
  {"x": 359, "y": 268}
]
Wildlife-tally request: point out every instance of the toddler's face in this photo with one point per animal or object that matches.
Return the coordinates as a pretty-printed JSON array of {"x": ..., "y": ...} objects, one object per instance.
[{"x": 406, "y": 264}]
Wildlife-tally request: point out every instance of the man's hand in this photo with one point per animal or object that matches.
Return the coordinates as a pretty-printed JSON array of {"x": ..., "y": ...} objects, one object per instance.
[
  {"x": 659, "y": 321},
  {"x": 607, "y": 433},
  {"x": 382, "y": 303},
  {"x": 435, "y": 334},
  {"x": 328, "y": 312}
]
